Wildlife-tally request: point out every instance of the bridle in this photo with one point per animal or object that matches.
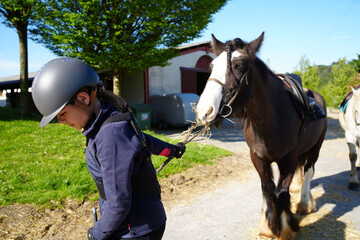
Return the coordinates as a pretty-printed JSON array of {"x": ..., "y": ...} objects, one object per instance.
[{"x": 226, "y": 109}]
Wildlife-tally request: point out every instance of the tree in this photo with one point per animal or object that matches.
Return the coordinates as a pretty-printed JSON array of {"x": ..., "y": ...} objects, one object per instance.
[
  {"x": 343, "y": 73},
  {"x": 343, "y": 76},
  {"x": 356, "y": 63},
  {"x": 16, "y": 14},
  {"x": 125, "y": 36},
  {"x": 309, "y": 74}
]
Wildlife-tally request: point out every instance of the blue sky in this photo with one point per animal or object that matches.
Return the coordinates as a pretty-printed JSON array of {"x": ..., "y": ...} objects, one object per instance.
[{"x": 321, "y": 30}]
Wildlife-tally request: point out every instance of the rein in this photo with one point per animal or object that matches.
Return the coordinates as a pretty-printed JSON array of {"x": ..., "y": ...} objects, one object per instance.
[
  {"x": 187, "y": 138},
  {"x": 226, "y": 109}
]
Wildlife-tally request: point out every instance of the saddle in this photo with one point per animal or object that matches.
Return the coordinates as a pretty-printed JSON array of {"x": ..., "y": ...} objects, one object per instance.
[
  {"x": 304, "y": 104},
  {"x": 345, "y": 101}
]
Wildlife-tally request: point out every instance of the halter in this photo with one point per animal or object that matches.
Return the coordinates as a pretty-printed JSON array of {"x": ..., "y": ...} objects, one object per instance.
[{"x": 226, "y": 109}]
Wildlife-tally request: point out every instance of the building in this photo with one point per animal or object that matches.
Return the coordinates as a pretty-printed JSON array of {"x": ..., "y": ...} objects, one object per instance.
[{"x": 186, "y": 73}]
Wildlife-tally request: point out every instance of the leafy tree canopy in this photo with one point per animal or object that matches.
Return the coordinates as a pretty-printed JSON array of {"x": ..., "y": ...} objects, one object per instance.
[
  {"x": 308, "y": 73},
  {"x": 126, "y": 35},
  {"x": 15, "y": 13},
  {"x": 356, "y": 63},
  {"x": 333, "y": 82}
]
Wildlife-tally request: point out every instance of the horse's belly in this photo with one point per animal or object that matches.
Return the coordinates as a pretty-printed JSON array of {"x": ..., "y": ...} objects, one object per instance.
[{"x": 312, "y": 135}]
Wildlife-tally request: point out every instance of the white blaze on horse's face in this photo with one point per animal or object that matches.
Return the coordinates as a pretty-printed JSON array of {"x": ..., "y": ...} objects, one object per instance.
[{"x": 209, "y": 102}]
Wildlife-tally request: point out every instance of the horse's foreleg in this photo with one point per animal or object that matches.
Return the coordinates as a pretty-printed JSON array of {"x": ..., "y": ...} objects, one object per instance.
[
  {"x": 288, "y": 224},
  {"x": 354, "y": 180},
  {"x": 268, "y": 219}
]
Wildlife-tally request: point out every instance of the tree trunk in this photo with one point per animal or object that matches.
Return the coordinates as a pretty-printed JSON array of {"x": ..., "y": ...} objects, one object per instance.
[
  {"x": 117, "y": 82},
  {"x": 24, "y": 82}
]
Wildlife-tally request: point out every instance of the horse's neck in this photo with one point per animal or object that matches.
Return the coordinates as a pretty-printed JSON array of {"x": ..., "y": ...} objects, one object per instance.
[{"x": 264, "y": 101}]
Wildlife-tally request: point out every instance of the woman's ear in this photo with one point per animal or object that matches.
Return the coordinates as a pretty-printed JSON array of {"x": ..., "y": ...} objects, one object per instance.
[{"x": 83, "y": 97}]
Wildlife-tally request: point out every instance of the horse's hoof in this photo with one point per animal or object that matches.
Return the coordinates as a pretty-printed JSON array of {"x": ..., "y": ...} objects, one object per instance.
[
  {"x": 304, "y": 209},
  {"x": 267, "y": 235},
  {"x": 353, "y": 186}
]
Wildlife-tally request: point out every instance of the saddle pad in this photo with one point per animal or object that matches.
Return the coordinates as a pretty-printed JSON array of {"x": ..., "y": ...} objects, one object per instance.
[
  {"x": 315, "y": 111},
  {"x": 345, "y": 101}
]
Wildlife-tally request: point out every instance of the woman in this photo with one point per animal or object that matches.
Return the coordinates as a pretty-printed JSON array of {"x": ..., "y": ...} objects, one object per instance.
[{"x": 117, "y": 152}]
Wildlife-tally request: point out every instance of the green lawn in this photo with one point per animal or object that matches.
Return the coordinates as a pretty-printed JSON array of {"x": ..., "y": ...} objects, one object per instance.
[{"x": 44, "y": 166}]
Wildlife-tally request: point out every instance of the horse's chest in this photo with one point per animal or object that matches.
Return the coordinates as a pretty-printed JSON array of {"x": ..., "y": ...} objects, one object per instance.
[{"x": 265, "y": 146}]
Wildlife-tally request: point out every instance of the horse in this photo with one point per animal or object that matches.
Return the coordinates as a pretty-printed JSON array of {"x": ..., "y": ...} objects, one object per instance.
[
  {"x": 242, "y": 85},
  {"x": 349, "y": 118}
]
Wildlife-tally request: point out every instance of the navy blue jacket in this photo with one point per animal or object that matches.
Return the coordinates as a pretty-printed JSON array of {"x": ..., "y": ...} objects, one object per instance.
[{"x": 110, "y": 154}]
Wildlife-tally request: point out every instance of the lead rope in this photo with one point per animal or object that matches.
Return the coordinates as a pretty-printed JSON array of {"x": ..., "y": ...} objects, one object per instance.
[{"x": 188, "y": 137}]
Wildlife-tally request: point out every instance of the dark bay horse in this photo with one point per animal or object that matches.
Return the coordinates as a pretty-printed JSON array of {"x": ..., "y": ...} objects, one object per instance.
[{"x": 240, "y": 82}]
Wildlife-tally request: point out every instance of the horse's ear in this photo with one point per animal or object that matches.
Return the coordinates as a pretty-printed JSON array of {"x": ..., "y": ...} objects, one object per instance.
[
  {"x": 217, "y": 46},
  {"x": 256, "y": 44},
  {"x": 355, "y": 91}
]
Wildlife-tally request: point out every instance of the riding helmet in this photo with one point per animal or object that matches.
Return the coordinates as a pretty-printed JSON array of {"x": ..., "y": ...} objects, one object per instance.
[{"x": 57, "y": 82}]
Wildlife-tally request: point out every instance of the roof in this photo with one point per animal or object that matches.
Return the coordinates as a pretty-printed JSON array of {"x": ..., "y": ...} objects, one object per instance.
[
  {"x": 13, "y": 82},
  {"x": 193, "y": 45}
]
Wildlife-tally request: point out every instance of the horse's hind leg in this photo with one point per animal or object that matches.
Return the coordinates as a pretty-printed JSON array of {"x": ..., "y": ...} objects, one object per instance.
[
  {"x": 354, "y": 181},
  {"x": 307, "y": 203},
  {"x": 297, "y": 181}
]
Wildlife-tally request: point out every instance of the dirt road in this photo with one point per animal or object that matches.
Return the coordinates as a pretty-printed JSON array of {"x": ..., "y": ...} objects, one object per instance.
[
  {"x": 221, "y": 201},
  {"x": 232, "y": 211}
]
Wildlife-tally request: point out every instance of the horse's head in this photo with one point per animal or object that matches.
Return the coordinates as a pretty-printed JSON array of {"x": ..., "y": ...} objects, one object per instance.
[{"x": 229, "y": 77}]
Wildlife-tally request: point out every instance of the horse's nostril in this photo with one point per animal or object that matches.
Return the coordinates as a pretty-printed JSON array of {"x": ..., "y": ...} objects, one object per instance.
[{"x": 209, "y": 111}]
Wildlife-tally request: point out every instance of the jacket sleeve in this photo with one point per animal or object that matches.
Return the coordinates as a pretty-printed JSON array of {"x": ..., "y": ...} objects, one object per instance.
[
  {"x": 116, "y": 147},
  {"x": 159, "y": 147}
]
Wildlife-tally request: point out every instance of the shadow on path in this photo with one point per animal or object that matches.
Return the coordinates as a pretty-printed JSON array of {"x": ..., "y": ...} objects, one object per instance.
[{"x": 336, "y": 202}]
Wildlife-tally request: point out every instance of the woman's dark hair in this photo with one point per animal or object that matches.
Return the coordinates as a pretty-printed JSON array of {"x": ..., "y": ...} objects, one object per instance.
[
  {"x": 111, "y": 98},
  {"x": 106, "y": 97}
]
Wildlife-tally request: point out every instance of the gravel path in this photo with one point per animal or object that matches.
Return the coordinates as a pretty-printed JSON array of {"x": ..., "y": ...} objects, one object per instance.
[{"x": 232, "y": 211}]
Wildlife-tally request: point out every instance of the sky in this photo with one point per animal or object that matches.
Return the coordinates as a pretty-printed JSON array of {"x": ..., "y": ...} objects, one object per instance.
[{"x": 322, "y": 31}]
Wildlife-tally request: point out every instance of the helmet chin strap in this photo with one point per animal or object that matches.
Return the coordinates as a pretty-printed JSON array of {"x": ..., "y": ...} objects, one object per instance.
[{"x": 87, "y": 108}]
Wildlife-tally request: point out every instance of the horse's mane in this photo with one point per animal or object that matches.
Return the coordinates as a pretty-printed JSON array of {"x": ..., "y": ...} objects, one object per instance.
[{"x": 236, "y": 45}]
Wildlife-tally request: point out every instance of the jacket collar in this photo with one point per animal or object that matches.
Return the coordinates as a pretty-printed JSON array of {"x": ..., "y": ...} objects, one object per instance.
[{"x": 92, "y": 128}]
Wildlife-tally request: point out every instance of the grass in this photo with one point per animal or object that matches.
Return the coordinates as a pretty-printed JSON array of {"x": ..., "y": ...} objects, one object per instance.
[{"x": 45, "y": 166}]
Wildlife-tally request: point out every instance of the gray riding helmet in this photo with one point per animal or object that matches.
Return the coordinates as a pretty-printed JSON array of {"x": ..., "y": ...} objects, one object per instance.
[{"x": 57, "y": 82}]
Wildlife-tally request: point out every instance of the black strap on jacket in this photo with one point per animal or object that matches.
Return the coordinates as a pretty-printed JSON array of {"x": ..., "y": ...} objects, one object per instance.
[
  {"x": 127, "y": 116},
  {"x": 144, "y": 181}
]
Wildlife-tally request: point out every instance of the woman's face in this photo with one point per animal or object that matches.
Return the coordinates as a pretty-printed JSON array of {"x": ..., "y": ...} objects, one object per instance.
[{"x": 74, "y": 116}]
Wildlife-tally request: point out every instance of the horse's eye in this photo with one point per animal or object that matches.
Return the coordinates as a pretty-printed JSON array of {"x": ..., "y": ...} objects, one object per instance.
[{"x": 237, "y": 66}]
